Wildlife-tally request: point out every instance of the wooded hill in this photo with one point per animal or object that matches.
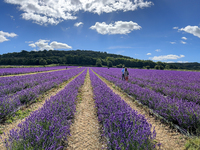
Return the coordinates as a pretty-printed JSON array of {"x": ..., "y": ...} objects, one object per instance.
[{"x": 86, "y": 58}]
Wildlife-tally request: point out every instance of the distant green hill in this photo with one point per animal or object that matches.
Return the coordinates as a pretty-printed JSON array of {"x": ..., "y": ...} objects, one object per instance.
[{"x": 85, "y": 58}]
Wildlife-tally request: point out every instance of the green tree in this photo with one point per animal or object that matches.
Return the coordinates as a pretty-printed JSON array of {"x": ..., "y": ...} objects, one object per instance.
[
  {"x": 109, "y": 64},
  {"x": 42, "y": 62},
  {"x": 98, "y": 62}
]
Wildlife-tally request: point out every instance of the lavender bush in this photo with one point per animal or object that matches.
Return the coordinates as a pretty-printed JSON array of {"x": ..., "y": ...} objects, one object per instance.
[
  {"x": 124, "y": 128},
  {"x": 46, "y": 128},
  {"x": 183, "y": 113},
  {"x": 11, "y": 103}
]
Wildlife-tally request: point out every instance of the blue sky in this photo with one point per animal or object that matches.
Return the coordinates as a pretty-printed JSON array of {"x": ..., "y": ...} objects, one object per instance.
[{"x": 158, "y": 30}]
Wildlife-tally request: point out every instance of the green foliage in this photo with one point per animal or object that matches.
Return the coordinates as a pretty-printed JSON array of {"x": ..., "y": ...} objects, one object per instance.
[
  {"x": 98, "y": 63},
  {"x": 109, "y": 64},
  {"x": 1, "y": 132},
  {"x": 159, "y": 67},
  {"x": 193, "y": 144}
]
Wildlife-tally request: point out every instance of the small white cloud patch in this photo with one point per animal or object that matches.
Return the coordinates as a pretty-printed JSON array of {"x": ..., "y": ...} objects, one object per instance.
[
  {"x": 148, "y": 53},
  {"x": 78, "y": 24},
  {"x": 183, "y": 42},
  {"x": 184, "y": 38},
  {"x": 158, "y": 50},
  {"x": 173, "y": 42},
  {"x": 119, "y": 27},
  {"x": 166, "y": 57},
  {"x": 4, "y": 35}
]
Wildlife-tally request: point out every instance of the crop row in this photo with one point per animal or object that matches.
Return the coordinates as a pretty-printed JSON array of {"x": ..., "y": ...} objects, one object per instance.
[
  {"x": 169, "y": 85},
  {"x": 180, "y": 112},
  {"x": 11, "y": 71},
  {"x": 122, "y": 126},
  {"x": 47, "y": 127},
  {"x": 11, "y": 103},
  {"x": 10, "y": 85}
]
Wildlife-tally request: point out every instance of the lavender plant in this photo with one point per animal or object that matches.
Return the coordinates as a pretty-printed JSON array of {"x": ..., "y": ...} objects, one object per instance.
[
  {"x": 124, "y": 128},
  {"x": 47, "y": 127},
  {"x": 183, "y": 113},
  {"x": 11, "y": 103}
]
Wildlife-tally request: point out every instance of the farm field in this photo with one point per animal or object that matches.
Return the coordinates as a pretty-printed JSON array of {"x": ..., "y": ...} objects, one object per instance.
[
  {"x": 95, "y": 109},
  {"x": 14, "y": 71}
]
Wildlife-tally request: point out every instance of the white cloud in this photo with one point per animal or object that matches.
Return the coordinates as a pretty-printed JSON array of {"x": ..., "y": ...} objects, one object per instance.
[
  {"x": 32, "y": 45},
  {"x": 184, "y": 38},
  {"x": 158, "y": 50},
  {"x": 148, "y": 53},
  {"x": 44, "y": 44},
  {"x": 166, "y": 57},
  {"x": 78, "y": 24},
  {"x": 118, "y": 27},
  {"x": 58, "y": 45},
  {"x": 175, "y": 27},
  {"x": 195, "y": 30},
  {"x": 173, "y": 42},
  {"x": 52, "y": 12},
  {"x": 183, "y": 42},
  {"x": 4, "y": 35}
]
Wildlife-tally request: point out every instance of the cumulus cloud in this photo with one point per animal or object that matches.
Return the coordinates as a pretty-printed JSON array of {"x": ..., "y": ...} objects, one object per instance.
[
  {"x": 4, "y": 35},
  {"x": 183, "y": 42},
  {"x": 119, "y": 27},
  {"x": 78, "y": 24},
  {"x": 182, "y": 61},
  {"x": 166, "y": 57},
  {"x": 158, "y": 50},
  {"x": 173, "y": 42},
  {"x": 195, "y": 30},
  {"x": 148, "y": 53},
  {"x": 52, "y": 12},
  {"x": 184, "y": 38},
  {"x": 44, "y": 44}
]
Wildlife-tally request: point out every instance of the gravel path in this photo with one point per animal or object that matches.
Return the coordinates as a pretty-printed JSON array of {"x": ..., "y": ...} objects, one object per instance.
[
  {"x": 169, "y": 138},
  {"x": 84, "y": 131}
]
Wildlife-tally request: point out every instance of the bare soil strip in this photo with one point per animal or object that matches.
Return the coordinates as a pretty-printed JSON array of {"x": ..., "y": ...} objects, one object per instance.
[
  {"x": 23, "y": 74},
  {"x": 84, "y": 131},
  {"x": 169, "y": 138},
  {"x": 6, "y": 127}
]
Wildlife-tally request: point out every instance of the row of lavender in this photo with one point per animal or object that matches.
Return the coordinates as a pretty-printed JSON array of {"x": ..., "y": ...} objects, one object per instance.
[
  {"x": 10, "y": 85},
  {"x": 183, "y": 113},
  {"x": 173, "y": 84},
  {"x": 47, "y": 127},
  {"x": 123, "y": 127},
  {"x": 11, "y": 103},
  {"x": 10, "y": 71}
]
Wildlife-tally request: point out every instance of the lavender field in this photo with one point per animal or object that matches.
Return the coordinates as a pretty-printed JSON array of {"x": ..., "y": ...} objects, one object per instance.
[
  {"x": 12, "y": 71},
  {"x": 174, "y": 95}
]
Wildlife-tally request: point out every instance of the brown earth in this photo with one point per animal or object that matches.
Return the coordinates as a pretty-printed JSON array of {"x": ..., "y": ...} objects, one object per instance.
[
  {"x": 169, "y": 138},
  {"x": 6, "y": 127},
  {"x": 84, "y": 131}
]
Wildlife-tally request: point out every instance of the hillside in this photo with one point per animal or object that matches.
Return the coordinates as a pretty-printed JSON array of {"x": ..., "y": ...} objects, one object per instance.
[{"x": 86, "y": 58}]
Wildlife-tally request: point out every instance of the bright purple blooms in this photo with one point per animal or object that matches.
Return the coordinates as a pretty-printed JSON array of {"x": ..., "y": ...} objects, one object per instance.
[
  {"x": 19, "y": 90},
  {"x": 46, "y": 128},
  {"x": 180, "y": 111},
  {"x": 123, "y": 127}
]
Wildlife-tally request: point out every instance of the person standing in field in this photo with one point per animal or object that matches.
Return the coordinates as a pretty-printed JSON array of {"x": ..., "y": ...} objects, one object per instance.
[
  {"x": 123, "y": 73},
  {"x": 126, "y": 73}
]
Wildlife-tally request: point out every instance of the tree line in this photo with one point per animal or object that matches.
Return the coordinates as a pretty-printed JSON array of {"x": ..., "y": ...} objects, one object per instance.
[{"x": 86, "y": 58}]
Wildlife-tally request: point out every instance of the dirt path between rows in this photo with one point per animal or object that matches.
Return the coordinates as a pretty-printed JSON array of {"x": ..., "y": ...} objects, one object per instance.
[
  {"x": 84, "y": 131},
  {"x": 23, "y": 74},
  {"x": 6, "y": 127},
  {"x": 169, "y": 138}
]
